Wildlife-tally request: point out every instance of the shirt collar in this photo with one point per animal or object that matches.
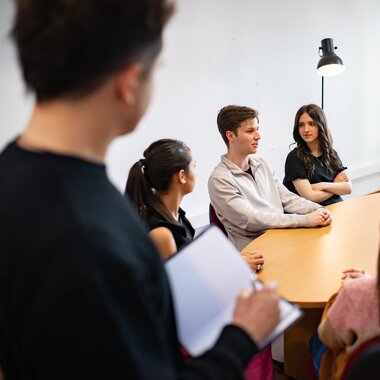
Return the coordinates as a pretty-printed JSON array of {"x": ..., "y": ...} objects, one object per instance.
[{"x": 254, "y": 163}]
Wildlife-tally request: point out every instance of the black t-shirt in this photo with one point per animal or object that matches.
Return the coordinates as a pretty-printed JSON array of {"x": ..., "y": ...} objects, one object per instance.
[
  {"x": 249, "y": 171},
  {"x": 83, "y": 293},
  {"x": 183, "y": 232},
  {"x": 295, "y": 169}
]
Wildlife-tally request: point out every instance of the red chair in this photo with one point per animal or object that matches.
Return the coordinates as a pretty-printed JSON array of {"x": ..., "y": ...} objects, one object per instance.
[
  {"x": 260, "y": 366},
  {"x": 364, "y": 363},
  {"x": 215, "y": 220}
]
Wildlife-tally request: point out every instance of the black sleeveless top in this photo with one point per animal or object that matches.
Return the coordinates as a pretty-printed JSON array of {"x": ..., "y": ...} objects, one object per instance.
[{"x": 182, "y": 232}]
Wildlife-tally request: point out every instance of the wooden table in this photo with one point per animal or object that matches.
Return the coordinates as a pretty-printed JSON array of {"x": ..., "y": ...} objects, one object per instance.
[{"x": 307, "y": 265}]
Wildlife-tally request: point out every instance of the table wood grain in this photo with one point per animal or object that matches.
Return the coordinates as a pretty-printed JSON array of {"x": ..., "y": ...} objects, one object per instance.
[{"x": 307, "y": 262}]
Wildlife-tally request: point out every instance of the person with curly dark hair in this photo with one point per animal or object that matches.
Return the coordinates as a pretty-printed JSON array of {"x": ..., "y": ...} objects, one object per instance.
[{"x": 313, "y": 169}]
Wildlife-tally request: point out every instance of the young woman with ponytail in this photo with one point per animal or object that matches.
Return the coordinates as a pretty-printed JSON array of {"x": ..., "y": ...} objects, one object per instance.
[{"x": 157, "y": 184}]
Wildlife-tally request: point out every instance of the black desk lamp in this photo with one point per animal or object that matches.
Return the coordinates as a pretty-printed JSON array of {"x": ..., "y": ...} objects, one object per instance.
[{"x": 329, "y": 64}]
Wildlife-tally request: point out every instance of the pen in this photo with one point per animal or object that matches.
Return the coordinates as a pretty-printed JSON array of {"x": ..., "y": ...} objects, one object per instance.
[{"x": 254, "y": 284}]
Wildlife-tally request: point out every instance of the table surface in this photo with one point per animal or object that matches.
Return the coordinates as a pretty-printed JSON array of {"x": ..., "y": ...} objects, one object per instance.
[{"x": 307, "y": 262}]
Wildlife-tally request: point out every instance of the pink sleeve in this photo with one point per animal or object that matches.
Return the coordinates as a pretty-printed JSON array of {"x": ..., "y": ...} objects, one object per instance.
[
  {"x": 341, "y": 310},
  {"x": 355, "y": 305}
]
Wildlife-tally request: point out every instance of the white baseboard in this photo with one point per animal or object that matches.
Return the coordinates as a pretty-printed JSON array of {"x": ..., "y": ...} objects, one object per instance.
[{"x": 363, "y": 172}]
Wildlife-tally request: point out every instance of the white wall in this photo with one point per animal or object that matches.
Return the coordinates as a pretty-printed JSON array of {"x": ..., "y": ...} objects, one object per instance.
[
  {"x": 257, "y": 53},
  {"x": 14, "y": 105}
]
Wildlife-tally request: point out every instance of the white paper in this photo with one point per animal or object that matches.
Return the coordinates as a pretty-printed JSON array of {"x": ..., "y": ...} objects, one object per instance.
[
  {"x": 289, "y": 314},
  {"x": 206, "y": 277}
]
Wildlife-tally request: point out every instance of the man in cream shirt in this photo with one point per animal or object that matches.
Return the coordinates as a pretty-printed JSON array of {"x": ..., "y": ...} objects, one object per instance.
[{"x": 243, "y": 191}]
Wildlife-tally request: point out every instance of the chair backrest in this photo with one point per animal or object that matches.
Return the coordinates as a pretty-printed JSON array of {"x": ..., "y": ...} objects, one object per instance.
[
  {"x": 364, "y": 363},
  {"x": 215, "y": 220}
]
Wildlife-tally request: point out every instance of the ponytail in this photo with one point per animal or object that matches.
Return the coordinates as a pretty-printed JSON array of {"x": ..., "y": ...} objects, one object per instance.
[
  {"x": 138, "y": 190},
  {"x": 153, "y": 173}
]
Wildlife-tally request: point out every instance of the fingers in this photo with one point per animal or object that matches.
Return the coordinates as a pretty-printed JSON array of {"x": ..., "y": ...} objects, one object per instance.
[
  {"x": 320, "y": 217},
  {"x": 325, "y": 212},
  {"x": 354, "y": 269},
  {"x": 347, "y": 275},
  {"x": 325, "y": 217},
  {"x": 268, "y": 291},
  {"x": 259, "y": 260},
  {"x": 352, "y": 273},
  {"x": 246, "y": 293},
  {"x": 255, "y": 260},
  {"x": 257, "y": 312},
  {"x": 341, "y": 177},
  {"x": 344, "y": 177},
  {"x": 256, "y": 265},
  {"x": 256, "y": 255},
  {"x": 351, "y": 277},
  {"x": 266, "y": 311},
  {"x": 327, "y": 221},
  {"x": 258, "y": 268}
]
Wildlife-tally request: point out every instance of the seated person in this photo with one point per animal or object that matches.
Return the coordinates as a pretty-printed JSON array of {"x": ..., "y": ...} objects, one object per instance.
[
  {"x": 313, "y": 169},
  {"x": 352, "y": 319},
  {"x": 247, "y": 198},
  {"x": 157, "y": 184}
]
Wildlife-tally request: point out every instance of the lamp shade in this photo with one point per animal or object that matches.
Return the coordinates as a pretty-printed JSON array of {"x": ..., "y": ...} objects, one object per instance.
[{"x": 329, "y": 64}]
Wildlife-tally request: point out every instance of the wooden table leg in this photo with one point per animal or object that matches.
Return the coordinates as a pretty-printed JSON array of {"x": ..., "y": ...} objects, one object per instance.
[{"x": 296, "y": 345}]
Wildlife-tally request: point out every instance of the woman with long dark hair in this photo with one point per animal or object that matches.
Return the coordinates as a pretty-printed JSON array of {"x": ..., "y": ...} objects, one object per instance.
[
  {"x": 313, "y": 169},
  {"x": 157, "y": 184}
]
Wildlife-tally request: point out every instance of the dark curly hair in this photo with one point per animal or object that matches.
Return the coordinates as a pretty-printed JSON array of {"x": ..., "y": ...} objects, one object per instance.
[
  {"x": 69, "y": 47},
  {"x": 330, "y": 159}
]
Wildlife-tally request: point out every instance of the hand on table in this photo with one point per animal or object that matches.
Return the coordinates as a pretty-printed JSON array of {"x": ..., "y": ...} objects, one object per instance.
[
  {"x": 254, "y": 259},
  {"x": 353, "y": 273},
  {"x": 319, "y": 217}
]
